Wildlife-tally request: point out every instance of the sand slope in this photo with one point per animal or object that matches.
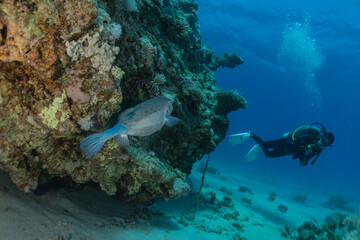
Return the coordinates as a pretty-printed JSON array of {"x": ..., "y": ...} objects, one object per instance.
[{"x": 90, "y": 214}]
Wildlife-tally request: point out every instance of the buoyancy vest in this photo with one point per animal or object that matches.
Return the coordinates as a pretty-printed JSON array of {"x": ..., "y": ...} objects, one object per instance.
[{"x": 305, "y": 136}]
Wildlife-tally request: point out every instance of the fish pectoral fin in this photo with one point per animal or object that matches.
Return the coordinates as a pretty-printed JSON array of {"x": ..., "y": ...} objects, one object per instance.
[
  {"x": 122, "y": 140},
  {"x": 171, "y": 121}
]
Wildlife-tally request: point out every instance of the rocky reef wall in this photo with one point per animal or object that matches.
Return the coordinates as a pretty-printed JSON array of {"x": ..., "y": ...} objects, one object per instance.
[{"x": 68, "y": 68}]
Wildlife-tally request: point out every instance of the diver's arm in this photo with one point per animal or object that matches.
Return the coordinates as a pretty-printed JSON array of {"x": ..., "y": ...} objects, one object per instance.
[
  {"x": 317, "y": 155},
  {"x": 303, "y": 161},
  {"x": 257, "y": 139},
  {"x": 307, "y": 155}
]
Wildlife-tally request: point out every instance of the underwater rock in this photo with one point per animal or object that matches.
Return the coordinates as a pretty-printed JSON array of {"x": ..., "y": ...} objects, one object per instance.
[
  {"x": 68, "y": 68},
  {"x": 299, "y": 198},
  {"x": 246, "y": 200},
  {"x": 272, "y": 197},
  {"x": 210, "y": 169},
  {"x": 282, "y": 208},
  {"x": 226, "y": 191},
  {"x": 230, "y": 61},
  {"x": 226, "y": 201},
  {"x": 238, "y": 236},
  {"x": 209, "y": 197},
  {"x": 245, "y": 189}
]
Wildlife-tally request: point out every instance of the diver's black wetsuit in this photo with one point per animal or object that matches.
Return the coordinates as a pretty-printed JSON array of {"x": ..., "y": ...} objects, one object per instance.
[{"x": 300, "y": 143}]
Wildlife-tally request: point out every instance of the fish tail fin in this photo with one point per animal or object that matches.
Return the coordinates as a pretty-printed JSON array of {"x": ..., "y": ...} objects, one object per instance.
[
  {"x": 171, "y": 121},
  {"x": 92, "y": 144}
]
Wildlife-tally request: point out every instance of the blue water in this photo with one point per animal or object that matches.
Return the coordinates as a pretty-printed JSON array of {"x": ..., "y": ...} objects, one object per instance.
[{"x": 282, "y": 97}]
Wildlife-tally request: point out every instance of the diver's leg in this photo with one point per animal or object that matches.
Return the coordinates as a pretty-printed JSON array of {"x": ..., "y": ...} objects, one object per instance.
[
  {"x": 257, "y": 139},
  {"x": 276, "y": 143},
  {"x": 277, "y": 153},
  {"x": 277, "y": 148},
  {"x": 261, "y": 143},
  {"x": 273, "y": 148}
]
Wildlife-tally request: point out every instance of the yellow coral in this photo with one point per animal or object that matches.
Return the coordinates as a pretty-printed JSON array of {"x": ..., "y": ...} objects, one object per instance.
[
  {"x": 48, "y": 114},
  {"x": 113, "y": 145},
  {"x": 135, "y": 188},
  {"x": 117, "y": 72},
  {"x": 31, "y": 26},
  {"x": 4, "y": 157}
]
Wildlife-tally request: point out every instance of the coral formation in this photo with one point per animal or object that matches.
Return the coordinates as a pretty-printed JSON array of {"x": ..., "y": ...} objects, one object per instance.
[
  {"x": 226, "y": 191},
  {"x": 218, "y": 215},
  {"x": 245, "y": 189},
  {"x": 272, "y": 197},
  {"x": 67, "y": 69},
  {"x": 282, "y": 208},
  {"x": 246, "y": 200},
  {"x": 227, "y": 60},
  {"x": 213, "y": 170},
  {"x": 336, "y": 226},
  {"x": 299, "y": 198},
  {"x": 339, "y": 202}
]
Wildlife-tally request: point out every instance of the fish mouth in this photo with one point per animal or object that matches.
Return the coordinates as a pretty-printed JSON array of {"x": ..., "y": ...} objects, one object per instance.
[
  {"x": 170, "y": 101},
  {"x": 170, "y": 105}
]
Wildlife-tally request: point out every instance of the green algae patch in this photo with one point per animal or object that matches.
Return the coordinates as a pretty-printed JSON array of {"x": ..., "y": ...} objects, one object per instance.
[
  {"x": 54, "y": 113},
  {"x": 32, "y": 27}
]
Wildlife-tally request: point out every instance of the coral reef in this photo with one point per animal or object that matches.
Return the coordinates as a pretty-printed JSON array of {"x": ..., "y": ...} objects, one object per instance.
[
  {"x": 339, "y": 202},
  {"x": 336, "y": 226},
  {"x": 67, "y": 69}
]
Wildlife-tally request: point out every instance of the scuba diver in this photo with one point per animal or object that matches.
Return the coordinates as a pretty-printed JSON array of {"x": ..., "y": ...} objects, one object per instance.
[{"x": 305, "y": 142}]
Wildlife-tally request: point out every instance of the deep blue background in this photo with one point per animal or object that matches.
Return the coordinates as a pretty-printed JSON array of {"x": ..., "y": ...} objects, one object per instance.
[{"x": 278, "y": 102}]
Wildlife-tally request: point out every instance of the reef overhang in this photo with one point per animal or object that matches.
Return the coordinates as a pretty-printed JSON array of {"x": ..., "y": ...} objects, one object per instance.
[{"x": 68, "y": 68}]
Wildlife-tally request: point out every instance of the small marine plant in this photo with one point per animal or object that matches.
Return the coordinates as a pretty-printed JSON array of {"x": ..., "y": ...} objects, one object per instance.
[{"x": 202, "y": 183}]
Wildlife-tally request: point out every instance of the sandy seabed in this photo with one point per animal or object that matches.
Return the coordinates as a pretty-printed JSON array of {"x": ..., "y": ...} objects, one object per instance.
[{"x": 223, "y": 212}]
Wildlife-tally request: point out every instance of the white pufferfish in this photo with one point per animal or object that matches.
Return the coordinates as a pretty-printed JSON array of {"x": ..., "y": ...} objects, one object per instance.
[{"x": 144, "y": 119}]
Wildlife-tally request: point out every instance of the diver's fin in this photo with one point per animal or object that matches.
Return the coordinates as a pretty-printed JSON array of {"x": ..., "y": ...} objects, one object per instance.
[
  {"x": 122, "y": 140},
  {"x": 238, "y": 138},
  {"x": 171, "y": 121},
  {"x": 253, "y": 153}
]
